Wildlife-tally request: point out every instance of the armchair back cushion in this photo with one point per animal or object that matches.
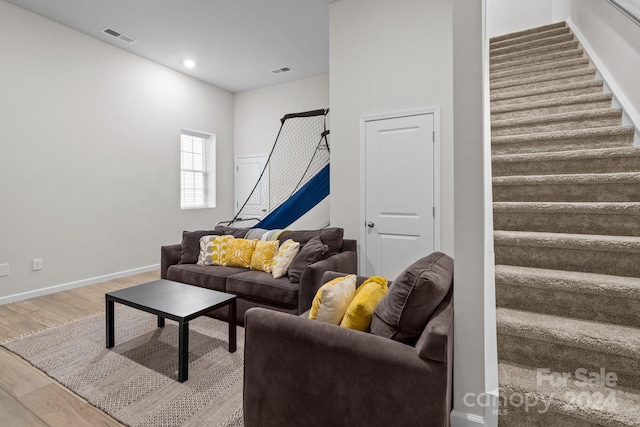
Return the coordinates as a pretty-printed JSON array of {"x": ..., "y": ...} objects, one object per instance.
[{"x": 416, "y": 293}]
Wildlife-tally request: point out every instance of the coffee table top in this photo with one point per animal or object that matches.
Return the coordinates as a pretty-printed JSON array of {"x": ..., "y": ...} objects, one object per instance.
[{"x": 173, "y": 300}]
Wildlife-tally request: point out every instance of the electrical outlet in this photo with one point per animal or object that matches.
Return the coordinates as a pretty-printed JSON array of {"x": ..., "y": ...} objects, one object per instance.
[
  {"x": 4, "y": 270},
  {"x": 37, "y": 264}
]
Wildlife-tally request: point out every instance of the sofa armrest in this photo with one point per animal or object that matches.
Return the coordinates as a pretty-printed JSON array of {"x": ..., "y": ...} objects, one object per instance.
[
  {"x": 169, "y": 255},
  {"x": 304, "y": 372},
  {"x": 311, "y": 278},
  {"x": 436, "y": 341}
]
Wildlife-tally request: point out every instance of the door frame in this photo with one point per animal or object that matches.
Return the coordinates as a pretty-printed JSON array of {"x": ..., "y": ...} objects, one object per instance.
[{"x": 437, "y": 232}]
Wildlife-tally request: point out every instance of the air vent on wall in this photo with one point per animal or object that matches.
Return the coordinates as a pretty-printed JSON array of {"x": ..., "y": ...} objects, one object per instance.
[
  {"x": 281, "y": 70},
  {"x": 119, "y": 35}
]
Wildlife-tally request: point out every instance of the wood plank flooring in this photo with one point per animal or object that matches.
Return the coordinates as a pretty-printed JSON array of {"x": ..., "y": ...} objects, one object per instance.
[{"x": 27, "y": 396}]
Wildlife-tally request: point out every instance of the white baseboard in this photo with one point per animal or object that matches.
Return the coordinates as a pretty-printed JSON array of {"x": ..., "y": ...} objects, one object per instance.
[
  {"x": 76, "y": 284},
  {"x": 631, "y": 116},
  {"x": 462, "y": 419}
]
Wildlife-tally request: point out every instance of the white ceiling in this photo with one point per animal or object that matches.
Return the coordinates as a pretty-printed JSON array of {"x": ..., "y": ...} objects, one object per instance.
[{"x": 234, "y": 43}]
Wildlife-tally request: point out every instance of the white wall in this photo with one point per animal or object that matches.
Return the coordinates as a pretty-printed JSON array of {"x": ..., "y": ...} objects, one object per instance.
[
  {"x": 387, "y": 56},
  {"x": 508, "y": 16},
  {"x": 89, "y": 154},
  {"x": 257, "y": 121},
  {"x": 616, "y": 41},
  {"x": 257, "y": 113}
]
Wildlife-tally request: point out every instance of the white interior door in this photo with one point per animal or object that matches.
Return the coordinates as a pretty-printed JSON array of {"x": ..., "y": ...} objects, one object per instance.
[
  {"x": 399, "y": 225},
  {"x": 248, "y": 170}
]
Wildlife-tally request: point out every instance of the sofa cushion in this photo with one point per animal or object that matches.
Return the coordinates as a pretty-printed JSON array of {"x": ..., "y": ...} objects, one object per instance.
[
  {"x": 332, "y": 237},
  {"x": 332, "y": 300},
  {"x": 310, "y": 253},
  {"x": 258, "y": 285},
  {"x": 190, "y": 246},
  {"x": 204, "y": 276},
  {"x": 239, "y": 253},
  {"x": 238, "y": 233},
  {"x": 366, "y": 299},
  {"x": 416, "y": 293},
  {"x": 283, "y": 258}
]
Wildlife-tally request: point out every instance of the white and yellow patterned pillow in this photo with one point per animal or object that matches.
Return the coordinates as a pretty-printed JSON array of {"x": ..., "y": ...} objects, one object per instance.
[
  {"x": 283, "y": 259},
  {"x": 263, "y": 255},
  {"x": 332, "y": 300},
  {"x": 213, "y": 249},
  {"x": 239, "y": 253}
]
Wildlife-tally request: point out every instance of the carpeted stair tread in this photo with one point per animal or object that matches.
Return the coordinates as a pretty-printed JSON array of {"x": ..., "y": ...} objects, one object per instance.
[
  {"x": 548, "y": 58},
  {"x": 572, "y": 281},
  {"x": 547, "y": 92},
  {"x": 596, "y": 160},
  {"x": 611, "y": 218},
  {"x": 583, "y": 242},
  {"x": 578, "y": 333},
  {"x": 529, "y": 44},
  {"x": 547, "y": 79},
  {"x": 564, "y": 140},
  {"x": 526, "y": 38},
  {"x": 588, "y": 296},
  {"x": 622, "y": 409},
  {"x": 535, "y": 52},
  {"x": 603, "y": 117},
  {"x": 546, "y": 106},
  {"x": 528, "y": 32},
  {"x": 532, "y": 70}
]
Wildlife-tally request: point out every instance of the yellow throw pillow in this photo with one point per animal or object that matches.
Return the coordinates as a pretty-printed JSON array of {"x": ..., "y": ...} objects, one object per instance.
[
  {"x": 215, "y": 250},
  {"x": 283, "y": 259},
  {"x": 263, "y": 255},
  {"x": 239, "y": 253},
  {"x": 332, "y": 299},
  {"x": 360, "y": 311}
]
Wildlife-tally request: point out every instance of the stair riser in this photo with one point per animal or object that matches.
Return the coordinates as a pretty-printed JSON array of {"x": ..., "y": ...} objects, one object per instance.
[
  {"x": 581, "y": 123},
  {"x": 523, "y": 39},
  {"x": 522, "y": 64},
  {"x": 546, "y": 145},
  {"x": 574, "y": 223},
  {"x": 496, "y": 51},
  {"x": 526, "y": 74},
  {"x": 544, "y": 96},
  {"x": 515, "y": 85},
  {"x": 571, "y": 166},
  {"x": 556, "y": 109},
  {"x": 532, "y": 53},
  {"x": 602, "y": 192},
  {"x": 576, "y": 304},
  {"x": 564, "y": 358},
  {"x": 588, "y": 261}
]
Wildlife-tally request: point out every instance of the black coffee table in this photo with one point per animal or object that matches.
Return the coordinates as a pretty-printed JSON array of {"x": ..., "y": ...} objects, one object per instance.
[{"x": 175, "y": 301}]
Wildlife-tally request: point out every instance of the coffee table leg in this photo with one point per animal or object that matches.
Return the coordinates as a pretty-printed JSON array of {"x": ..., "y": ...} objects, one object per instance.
[
  {"x": 232, "y": 326},
  {"x": 110, "y": 322},
  {"x": 160, "y": 322},
  {"x": 183, "y": 352}
]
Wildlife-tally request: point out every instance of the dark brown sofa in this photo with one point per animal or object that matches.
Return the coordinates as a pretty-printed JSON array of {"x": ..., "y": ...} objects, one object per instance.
[
  {"x": 308, "y": 373},
  {"x": 259, "y": 289}
]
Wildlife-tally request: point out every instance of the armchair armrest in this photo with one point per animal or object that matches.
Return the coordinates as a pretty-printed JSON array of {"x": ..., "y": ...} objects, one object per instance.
[
  {"x": 169, "y": 255},
  {"x": 310, "y": 280},
  {"x": 304, "y": 372}
]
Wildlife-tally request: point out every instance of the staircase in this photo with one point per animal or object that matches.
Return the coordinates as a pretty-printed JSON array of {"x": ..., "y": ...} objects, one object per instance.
[{"x": 566, "y": 192}]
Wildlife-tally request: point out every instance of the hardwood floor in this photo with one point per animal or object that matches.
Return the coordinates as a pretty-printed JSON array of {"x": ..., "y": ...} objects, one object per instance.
[{"x": 27, "y": 396}]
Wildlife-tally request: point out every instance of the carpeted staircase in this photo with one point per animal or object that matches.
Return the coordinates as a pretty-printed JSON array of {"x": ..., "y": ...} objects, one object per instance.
[{"x": 566, "y": 192}]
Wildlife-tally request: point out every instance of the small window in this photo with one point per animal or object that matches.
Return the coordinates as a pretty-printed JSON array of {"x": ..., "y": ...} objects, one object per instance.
[{"x": 197, "y": 159}]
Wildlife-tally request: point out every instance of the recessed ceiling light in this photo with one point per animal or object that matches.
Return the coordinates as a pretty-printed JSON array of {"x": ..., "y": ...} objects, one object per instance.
[{"x": 188, "y": 63}]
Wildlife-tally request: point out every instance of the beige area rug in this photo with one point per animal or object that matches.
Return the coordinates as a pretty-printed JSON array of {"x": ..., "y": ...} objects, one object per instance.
[{"x": 136, "y": 381}]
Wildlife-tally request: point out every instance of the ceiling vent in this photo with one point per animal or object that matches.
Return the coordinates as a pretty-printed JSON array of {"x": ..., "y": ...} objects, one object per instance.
[
  {"x": 119, "y": 35},
  {"x": 281, "y": 70}
]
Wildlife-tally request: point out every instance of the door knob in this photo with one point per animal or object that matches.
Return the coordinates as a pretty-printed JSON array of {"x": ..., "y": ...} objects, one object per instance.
[{"x": 370, "y": 224}]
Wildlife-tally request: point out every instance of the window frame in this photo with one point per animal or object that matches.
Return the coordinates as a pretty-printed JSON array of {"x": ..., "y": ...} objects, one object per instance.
[{"x": 206, "y": 167}]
